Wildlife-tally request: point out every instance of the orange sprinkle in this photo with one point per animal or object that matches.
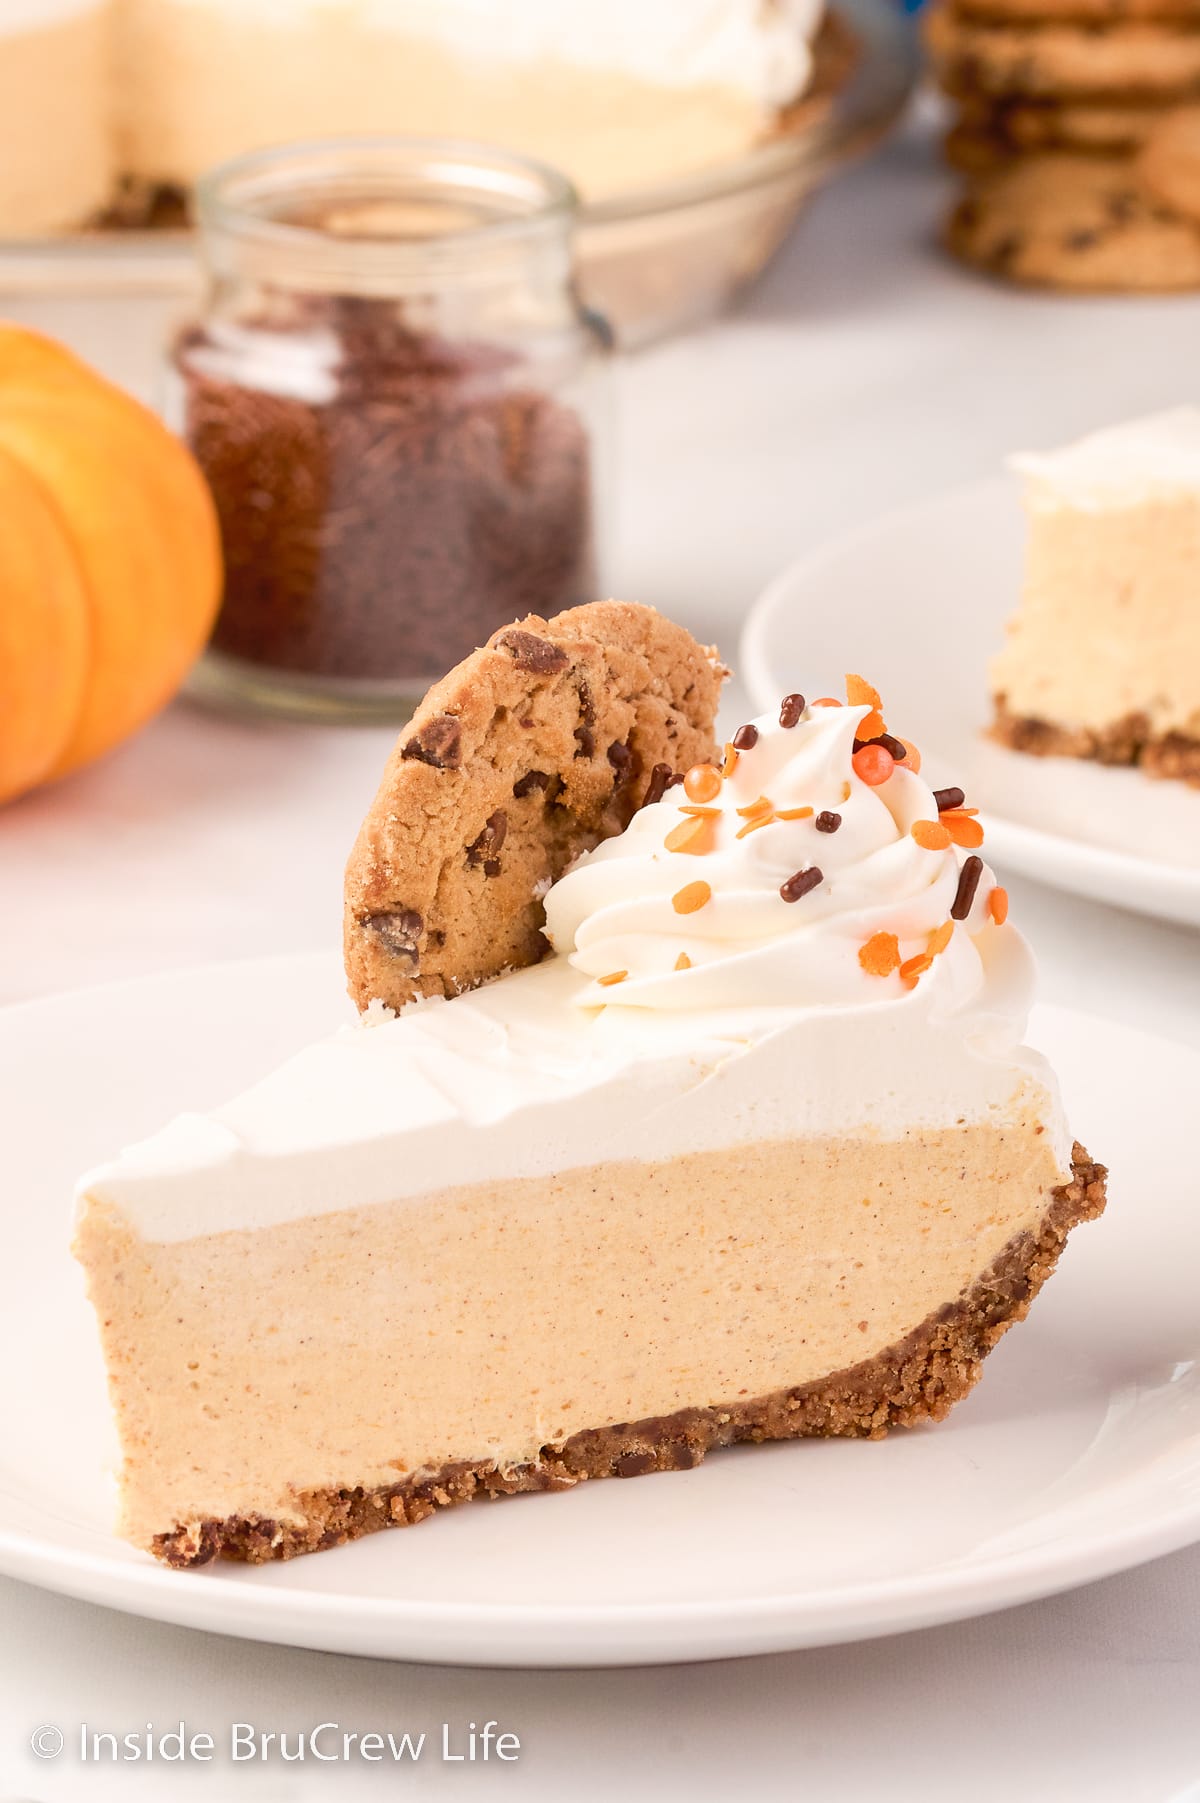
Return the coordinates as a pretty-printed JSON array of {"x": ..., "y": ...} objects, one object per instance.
[
  {"x": 847, "y": 791},
  {"x": 683, "y": 962},
  {"x": 873, "y": 765},
  {"x": 859, "y": 690},
  {"x": 692, "y": 836},
  {"x": 794, "y": 813},
  {"x": 729, "y": 763},
  {"x": 752, "y": 825},
  {"x": 931, "y": 835},
  {"x": 912, "y": 757},
  {"x": 691, "y": 897},
  {"x": 940, "y": 938},
  {"x": 880, "y": 956},
  {"x": 826, "y": 701},
  {"x": 962, "y": 829},
  {"x": 913, "y": 968},
  {"x": 998, "y": 905},
  {"x": 614, "y": 976},
  {"x": 702, "y": 782},
  {"x": 871, "y": 725},
  {"x": 761, "y": 806},
  {"x": 697, "y": 813}
]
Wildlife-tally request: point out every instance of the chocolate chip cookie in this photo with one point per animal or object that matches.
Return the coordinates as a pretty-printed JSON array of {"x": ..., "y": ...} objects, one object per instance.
[
  {"x": 1080, "y": 12},
  {"x": 1169, "y": 163},
  {"x": 1083, "y": 223},
  {"x": 1125, "y": 62},
  {"x": 534, "y": 749},
  {"x": 990, "y": 132}
]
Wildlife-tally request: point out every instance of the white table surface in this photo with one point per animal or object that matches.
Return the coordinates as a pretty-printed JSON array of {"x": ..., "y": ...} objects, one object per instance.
[{"x": 864, "y": 373}]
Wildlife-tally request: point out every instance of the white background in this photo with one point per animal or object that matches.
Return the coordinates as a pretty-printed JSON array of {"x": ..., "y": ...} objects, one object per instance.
[{"x": 864, "y": 373}]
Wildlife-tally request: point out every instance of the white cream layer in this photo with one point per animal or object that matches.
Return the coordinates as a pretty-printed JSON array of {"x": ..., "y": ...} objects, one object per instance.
[
  {"x": 514, "y": 1080},
  {"x": 1121, "y": 466},
  {"x": 775, "y": 1030},
  {"x": 758, "y": 47},
  {"x": 615, "y": 910}
]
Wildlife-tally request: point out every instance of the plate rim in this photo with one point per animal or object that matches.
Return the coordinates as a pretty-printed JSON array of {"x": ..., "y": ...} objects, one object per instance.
[
  {"x": 677, "y": 1631},
  {"x": 1014, "y": 840}
]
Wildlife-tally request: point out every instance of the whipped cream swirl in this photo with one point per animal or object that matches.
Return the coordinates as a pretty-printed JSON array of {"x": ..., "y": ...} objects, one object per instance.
[{"x": 745, "y": 945}]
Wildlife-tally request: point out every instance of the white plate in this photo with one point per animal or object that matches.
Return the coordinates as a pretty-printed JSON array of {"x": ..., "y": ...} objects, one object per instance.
[
  {"x": 917, "y": 602},
  {"x": 1079, "y": 1455}
]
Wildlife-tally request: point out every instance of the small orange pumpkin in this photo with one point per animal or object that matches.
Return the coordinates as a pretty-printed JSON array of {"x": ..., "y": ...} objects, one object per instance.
[{"x": 110, "y": 562}]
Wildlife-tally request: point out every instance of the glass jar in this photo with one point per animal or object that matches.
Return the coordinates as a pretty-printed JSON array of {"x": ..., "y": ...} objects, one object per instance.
[{"x": 399, "y": 403}]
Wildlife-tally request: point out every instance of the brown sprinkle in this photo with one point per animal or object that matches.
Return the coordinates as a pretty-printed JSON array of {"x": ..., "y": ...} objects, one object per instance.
[
  {"x": 801, "y": 884},
  {"x": 968, "y": 883},
  {"x": 948, "y": 798},
  {"x": 745, "y": 738},
  {"x": 661, "y": 778},
  {"x": 894, "y": 747},
  {"x": 827, "y": 822},
  {"x": 790, "y": 710}
]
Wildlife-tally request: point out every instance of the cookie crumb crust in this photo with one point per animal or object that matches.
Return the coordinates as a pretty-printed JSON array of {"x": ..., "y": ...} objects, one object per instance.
[
  {"x": 1173, "y": 756},
  {"x": 920, "y": 1378}
]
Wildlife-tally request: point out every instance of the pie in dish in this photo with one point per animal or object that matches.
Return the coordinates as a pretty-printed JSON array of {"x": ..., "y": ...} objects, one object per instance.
[
  {"x": 1102, "y": 659},
  {"x": 146, "y": 96},
  {"x": 619, "y": 96},
  {"x": 740, "y": 1143}
]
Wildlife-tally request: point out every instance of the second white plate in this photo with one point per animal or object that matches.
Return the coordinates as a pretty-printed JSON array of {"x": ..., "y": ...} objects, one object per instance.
[
  {"x": 917, "y": 602},
  {"x": 1078, "y": 1455}
]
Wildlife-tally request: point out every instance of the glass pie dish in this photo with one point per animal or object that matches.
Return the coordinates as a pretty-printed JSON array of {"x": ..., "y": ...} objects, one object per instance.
[{"x": 652, "y": 261}]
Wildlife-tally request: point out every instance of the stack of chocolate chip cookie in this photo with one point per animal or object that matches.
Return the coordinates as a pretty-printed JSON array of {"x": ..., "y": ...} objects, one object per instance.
[{"x": 1077, "y": 133}]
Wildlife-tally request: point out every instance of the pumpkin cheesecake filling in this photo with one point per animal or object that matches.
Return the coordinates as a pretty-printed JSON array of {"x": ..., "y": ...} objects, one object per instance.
[
  {"x": 755, "y": 1151},
  {"x": 1102, "y": 659}
]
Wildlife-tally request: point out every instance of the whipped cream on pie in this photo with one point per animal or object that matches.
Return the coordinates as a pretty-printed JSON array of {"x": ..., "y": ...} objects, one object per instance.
[
  {"x": 791, "y": 804},
  {"x": 758, "y": 46},
  {"x": 774, "y": 1025},
  {"x": 1122, "y": 466}
]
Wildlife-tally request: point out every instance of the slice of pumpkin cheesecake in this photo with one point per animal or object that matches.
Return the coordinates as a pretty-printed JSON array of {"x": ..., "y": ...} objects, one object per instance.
[{"x": 740, "y": 1143}]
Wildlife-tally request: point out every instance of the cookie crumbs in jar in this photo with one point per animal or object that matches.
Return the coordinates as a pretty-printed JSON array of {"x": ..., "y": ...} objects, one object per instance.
[{"x": 391, "y": 398}]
